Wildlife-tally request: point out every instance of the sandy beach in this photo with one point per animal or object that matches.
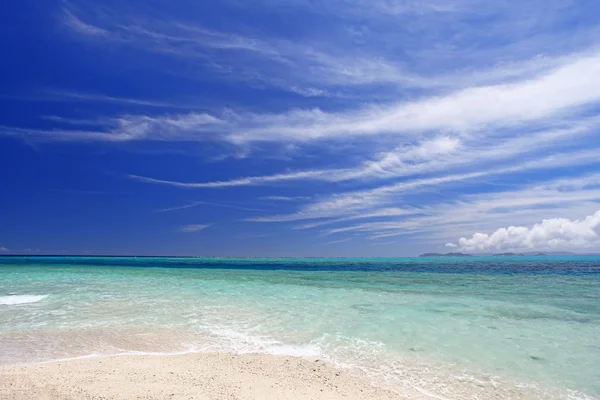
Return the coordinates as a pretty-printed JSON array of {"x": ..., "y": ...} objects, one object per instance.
[{"x": 189, "y": 376}]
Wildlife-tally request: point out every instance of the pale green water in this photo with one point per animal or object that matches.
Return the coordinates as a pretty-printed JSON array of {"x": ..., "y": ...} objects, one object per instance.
[{"x": 454, "y": 328}]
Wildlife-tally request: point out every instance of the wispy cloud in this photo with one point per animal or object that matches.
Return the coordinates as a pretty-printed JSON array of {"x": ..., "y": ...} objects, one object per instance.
[
  {"x": 438, "y": 101},
  {"x": 177, "y": 39},
  {"x": 2, "y": 248},
  {"x": 463, "y": 112},
  {"x": 208, "y": 204},
  {"x": 355, "y": 203},
  {"x": 235, "y": 182},
  {"x": 62, "y": 95},
  {"x": 284, "y": 198},
  {"x": 487, "y": 210},
  {"x": 385, "y": 212},
  {"x": 193, "y": 228},
  {"x": 183, "y": 207},
  {"x": 89, "y": 191},
  {"x": 360, "y": 44},
  {"x": 430, "y": 155},
  {"x": 82, "y": 27}
]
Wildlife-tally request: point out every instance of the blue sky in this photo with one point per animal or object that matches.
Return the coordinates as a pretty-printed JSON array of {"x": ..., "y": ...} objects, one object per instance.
[{"x": 299, "y": 127}]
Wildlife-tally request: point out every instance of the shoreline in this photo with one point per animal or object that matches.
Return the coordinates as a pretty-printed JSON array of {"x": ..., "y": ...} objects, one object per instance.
[
  {"x": 186, "y": 376},
  {"x": 430, "y": 330},
  {"x": 95, "y": 375}
]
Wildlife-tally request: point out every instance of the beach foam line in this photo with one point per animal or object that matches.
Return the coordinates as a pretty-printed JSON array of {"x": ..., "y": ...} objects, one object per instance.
[
  {"x": 298, "y": 350},
  {"x": 21, "y": 299}
]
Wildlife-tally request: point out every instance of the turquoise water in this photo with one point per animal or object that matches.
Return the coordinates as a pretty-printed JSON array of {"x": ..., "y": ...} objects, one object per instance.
[{"x": 469, "y": 328}]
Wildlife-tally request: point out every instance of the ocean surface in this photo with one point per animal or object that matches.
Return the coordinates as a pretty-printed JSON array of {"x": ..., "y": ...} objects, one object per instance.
[{"x": 445, "y": 328}]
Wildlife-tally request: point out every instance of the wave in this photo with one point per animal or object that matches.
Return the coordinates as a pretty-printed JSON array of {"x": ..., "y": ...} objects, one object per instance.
[{"x": 21, "y": 299}]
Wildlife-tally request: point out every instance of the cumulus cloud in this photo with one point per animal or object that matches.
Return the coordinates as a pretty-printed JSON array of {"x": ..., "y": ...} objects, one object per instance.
[
  {"x": 553, "y": 233},
  {"x": 451, "y": 245}
]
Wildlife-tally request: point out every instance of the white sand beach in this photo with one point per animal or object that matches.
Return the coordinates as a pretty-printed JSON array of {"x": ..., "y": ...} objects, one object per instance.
[{"x": 200, "y": 376}]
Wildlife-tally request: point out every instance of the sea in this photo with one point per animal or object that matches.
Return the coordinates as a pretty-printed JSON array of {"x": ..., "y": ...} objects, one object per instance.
[{"x": 440, "y": 328}]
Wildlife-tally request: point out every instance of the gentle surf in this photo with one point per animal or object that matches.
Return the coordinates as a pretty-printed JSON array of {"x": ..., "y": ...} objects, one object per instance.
[{"x": 463, "y": 328}]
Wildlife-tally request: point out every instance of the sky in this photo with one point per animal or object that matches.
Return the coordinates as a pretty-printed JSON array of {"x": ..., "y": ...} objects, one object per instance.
[{"x": 346, "y": 128}]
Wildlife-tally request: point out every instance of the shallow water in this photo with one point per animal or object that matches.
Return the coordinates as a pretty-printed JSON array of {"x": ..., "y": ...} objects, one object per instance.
[{"x": 468, "y": 328}]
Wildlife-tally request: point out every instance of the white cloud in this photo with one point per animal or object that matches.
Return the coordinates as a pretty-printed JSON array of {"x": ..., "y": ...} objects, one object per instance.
[
  {"x": 353, "y": 203},
  {"x": 370, "y": 8},
  {"x": 254, "y": 180},
  {"x": 207, "y": 204},
  {"x": 2, "y": 248},
  {"x": 193, "y": 228},
  {"x": 55, "y": 95},
  {"x": 518, "y": 109},
  {"x": 405, "y": 160},
  {"x": 354, "y": 215},
  {"x": 451, "y": 245},
  {"x": 553, "y": 233},
  {"x": 290, "y": 60},
  {"x": 183, "y": 207},
  {"x": 430, "y": 155},
  {"x": 465, "y": 112},
  {"x": 284, "y": 198},
  {"x": 82, "y": 27},
  {"x": 485, "y": 211},
  {"x": 361, "y": 43}
]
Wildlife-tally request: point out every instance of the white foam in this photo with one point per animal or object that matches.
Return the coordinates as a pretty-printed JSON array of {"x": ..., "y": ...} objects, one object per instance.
[
  {"x": 224, "y": 339},
  {"x": 300, "y": 350},
  {"x": 21, "y": 299}
]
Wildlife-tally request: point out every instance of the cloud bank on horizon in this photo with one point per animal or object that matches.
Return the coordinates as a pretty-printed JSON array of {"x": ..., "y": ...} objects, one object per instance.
[
  {"x": 553, "y": 233},
  {"x": 336, "y": 125}
]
